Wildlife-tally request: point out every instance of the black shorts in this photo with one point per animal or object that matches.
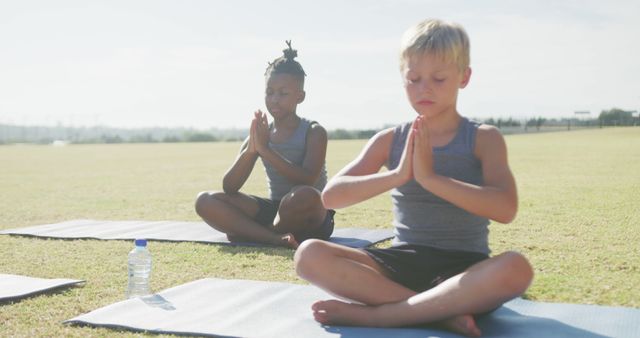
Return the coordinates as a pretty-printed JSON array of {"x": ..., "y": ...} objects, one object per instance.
[
  {"x": 268, "y": 209},
  {"x": 420, "y": 268}
]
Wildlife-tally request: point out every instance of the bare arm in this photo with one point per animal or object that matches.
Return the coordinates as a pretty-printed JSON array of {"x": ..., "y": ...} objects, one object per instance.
[
  {"x": 361, "y": 179},
  {"x": 315, "y": 152},
  {"x": 496, "y": 199},
  {"x": 237, "y": 175}
]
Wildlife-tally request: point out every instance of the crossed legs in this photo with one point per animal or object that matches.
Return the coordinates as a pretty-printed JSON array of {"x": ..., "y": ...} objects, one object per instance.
[
  {"x": 375, "y": 300},
  {"x": 234, "y": 214}
]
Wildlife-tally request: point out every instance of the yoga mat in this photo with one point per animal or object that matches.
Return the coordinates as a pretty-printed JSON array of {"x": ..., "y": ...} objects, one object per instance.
[
  {"x": 175, "y": 231},
  {"x": 13, "y": 287},
  {"x": 244, "y": 308}
]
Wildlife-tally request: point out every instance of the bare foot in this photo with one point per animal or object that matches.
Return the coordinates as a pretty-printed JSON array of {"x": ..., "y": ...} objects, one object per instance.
[
  {"x": 465, "y": 325},
  {"x": 335, "y": 312},
  {"x": 287, "y": 240}
]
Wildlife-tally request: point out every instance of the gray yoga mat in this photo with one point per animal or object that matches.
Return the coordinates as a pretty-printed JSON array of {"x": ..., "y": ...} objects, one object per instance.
[
  {"x": 243, "y": 308},
  {"x": 13, "y": 287},
  {"x": 175, "y": 231}
]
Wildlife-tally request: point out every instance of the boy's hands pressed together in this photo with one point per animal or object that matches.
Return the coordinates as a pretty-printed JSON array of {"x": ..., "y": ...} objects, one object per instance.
[
  {"x": 405, "y": 169},
  {"x": 422, "y": 152}
]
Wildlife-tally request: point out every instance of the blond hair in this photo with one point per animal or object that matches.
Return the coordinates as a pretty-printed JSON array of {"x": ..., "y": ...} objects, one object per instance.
[{"x": 445, "y": 40}]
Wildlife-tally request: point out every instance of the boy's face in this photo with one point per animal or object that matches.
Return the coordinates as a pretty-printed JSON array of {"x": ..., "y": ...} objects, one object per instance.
[
  {"x": 432, "y": 84},
  {"x": 283, "y": 93}
]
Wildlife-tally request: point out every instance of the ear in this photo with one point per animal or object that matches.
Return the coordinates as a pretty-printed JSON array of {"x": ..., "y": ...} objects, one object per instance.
[
  {"x": 466, "y": 76},
  {"x": 303, "y": 94}
]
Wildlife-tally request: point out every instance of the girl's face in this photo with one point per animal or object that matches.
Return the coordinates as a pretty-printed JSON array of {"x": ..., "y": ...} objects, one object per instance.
[
  {"x": 432, "y": 84},
  {"x": 283, "y": 93}
]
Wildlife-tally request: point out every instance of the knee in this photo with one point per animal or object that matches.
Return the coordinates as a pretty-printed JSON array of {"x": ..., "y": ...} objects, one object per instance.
[
  {"x": 517, "y": 273},
  {"x": 204, "y": 200},
  {"x": 309, "y": 256},
  {"x": 300, "y": 198}
]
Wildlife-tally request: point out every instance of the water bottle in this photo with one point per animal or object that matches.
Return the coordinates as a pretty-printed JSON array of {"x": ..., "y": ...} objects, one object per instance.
[{"x": 139, "y": 270}]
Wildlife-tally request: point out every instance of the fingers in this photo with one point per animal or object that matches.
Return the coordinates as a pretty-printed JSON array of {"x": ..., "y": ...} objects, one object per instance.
[
  {"x": 422, "y": 132},
  {"x": 261, "y": 119},
  {"x": 405, "y": 166},
  {"x": 265, "y": 121},
  {"x": 410, "y": 145}
]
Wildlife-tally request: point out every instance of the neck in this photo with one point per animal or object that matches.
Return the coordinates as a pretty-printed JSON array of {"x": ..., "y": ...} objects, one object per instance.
[
  {"x": 289, "y": 121},
  {"x": 444, "y": 122}
]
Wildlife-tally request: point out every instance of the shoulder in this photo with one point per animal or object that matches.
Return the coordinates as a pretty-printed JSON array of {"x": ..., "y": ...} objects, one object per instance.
[
  {"x": 380, "y": 144},
  {"x": 488, "y": 140},
  {"x": 384, "y": 136},
  {"x": 488, "y": 131},
  {"x": 315, "y": 130}
]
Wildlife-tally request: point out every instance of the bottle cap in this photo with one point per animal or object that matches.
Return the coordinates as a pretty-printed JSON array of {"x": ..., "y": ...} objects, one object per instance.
[{"x": 141, "y": 242}]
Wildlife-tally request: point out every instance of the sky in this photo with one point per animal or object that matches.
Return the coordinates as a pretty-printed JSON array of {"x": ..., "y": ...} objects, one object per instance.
[{"x": 200, "y": 64}]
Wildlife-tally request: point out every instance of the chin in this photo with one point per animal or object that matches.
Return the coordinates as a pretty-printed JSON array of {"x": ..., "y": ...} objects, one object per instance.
[{"x": 428, "y": 114}]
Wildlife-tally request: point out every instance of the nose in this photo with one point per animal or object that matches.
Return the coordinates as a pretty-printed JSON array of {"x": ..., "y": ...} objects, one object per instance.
[
  {"x": 424, "y": 86},
  {"x": 274, "y": 98}
]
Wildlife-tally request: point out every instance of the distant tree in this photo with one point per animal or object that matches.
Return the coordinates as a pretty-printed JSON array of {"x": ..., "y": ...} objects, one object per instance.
[
  {"x": 536, "y": 122},
  {"x": 616, "y": 117},
  {"x": 200, "y": 137},
  {"x": 366, "y": 134},
  {"x": 340, "y": 134},
  {"x": 510, "y": 122},
  {"x": 111, "y": 139},
  {"x": 171, "y": 139},
  {"x": 146, "y": 138}
]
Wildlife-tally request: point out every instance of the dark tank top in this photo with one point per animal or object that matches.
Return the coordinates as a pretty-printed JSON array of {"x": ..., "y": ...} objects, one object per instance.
[
  {"x": 294, "y": 150},
  {"x": 423, "y": 218}
]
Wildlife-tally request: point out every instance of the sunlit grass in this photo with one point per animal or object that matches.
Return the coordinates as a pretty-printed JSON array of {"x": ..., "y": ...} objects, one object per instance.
[{"x": 579, "y": 220}]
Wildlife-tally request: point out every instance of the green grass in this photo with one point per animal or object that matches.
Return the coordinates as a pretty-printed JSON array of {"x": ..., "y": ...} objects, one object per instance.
[{"x": 579, "y": 220}]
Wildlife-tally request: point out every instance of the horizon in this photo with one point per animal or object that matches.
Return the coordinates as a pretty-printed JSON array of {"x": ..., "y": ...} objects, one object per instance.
[
  {"x": 523, "y": 120},
  {"x": 163, "y": 64}
]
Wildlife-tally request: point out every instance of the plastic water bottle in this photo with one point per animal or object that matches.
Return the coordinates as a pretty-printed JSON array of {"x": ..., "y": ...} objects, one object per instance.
[{"x": 139, "y": 270}]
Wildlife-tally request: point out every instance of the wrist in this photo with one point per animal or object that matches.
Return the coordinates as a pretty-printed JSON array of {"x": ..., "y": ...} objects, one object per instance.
[
  {"x": 426, "y": 179},
  {"x": 399, "y": 177},
  {"x": 263, "y": 150},
  {"x": 250, "y": 152}
]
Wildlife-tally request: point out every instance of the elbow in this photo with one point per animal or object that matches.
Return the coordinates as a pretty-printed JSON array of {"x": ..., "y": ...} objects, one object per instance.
[
  {"x": 328, "y": 200},
  {"x": 508, "y": 214},
  {"x": 228, "y": 187},
  {"x": 225, "y": 187}
]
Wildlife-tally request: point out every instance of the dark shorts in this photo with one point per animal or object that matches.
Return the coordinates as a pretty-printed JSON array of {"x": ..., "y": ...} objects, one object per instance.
[
  {"x": 268, "y": 209},
  {"x": 420, "y": 268}
]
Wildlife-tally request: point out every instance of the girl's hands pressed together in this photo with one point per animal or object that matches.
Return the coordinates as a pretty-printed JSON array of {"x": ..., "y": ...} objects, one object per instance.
[
  {"x": 261, "y": 131},
  {"x": 251, "y": 145}
]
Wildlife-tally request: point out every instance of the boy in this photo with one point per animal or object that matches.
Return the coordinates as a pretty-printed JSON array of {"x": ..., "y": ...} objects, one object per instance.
[
  {"x": 448, "y": 176},
  {"x": 292, "y": 150}
]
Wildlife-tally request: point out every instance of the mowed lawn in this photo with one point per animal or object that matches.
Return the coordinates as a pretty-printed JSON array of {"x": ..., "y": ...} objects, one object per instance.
[{"x": 578, "y": 222}]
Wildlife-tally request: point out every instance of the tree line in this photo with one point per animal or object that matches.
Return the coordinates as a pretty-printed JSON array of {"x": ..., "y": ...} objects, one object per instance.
[{"x": 101, "y": 134}]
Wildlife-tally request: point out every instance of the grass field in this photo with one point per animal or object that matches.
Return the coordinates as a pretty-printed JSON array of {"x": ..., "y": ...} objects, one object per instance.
[{"x": 579, "y": 220}]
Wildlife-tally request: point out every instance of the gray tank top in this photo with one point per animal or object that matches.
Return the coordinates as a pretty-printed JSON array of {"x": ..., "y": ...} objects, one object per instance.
[
  {"x": 294, "y": 150},
  {"x": 423, "y": 218}
]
